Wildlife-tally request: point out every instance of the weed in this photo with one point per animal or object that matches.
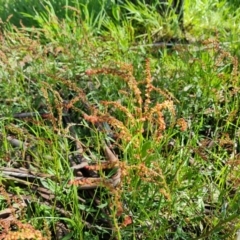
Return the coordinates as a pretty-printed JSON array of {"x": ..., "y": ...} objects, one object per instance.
[{"x": 99, "y": 143}]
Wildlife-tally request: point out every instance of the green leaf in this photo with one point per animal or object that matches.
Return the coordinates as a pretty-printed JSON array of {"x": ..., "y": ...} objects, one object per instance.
[{"x": 103, "y": 205}]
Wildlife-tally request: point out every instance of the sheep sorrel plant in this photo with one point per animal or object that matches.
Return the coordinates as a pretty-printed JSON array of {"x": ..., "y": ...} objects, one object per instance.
[
  {"x": 140, "y": 123},
  {"x": 142, "y": 118},
  {"x": 11, "y": 227}
]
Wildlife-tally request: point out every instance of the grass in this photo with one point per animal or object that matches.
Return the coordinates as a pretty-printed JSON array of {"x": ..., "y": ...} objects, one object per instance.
[{"x": 105, "y": 135}]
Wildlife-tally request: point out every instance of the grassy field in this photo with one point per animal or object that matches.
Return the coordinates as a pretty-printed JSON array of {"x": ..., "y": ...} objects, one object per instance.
[{"x": 114, "y": 124}]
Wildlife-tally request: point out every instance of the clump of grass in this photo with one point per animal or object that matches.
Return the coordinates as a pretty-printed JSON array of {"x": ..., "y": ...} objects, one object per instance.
[{"x": 177, "y": 150}]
